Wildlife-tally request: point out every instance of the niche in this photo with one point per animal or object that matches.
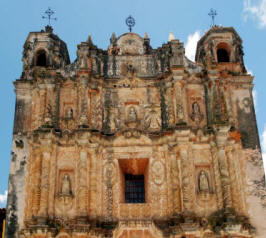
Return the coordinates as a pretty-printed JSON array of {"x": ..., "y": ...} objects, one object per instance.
[
  {"x": 40, "y": 59},
  {"x": 223, "y": 53}
]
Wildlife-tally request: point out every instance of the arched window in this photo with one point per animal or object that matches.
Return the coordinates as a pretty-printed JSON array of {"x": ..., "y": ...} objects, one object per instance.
[
  {"x": 222, "y": 55},
  {"x": 223, "y": 52},
  {"x": 41, "y": 58}
]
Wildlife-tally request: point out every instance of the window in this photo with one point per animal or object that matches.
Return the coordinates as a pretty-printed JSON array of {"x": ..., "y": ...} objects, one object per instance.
[
  {"x": 41, "y": 58},
  {"x": 222, "y": 55},
  {"x": 134, "y": 188}
]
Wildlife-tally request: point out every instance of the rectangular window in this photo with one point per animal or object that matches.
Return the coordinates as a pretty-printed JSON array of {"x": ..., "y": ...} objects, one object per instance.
[{"x": 135, "y": 188}]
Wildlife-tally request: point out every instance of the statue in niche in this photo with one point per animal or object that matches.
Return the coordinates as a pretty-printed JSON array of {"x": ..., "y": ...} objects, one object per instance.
[
  {"x": 203, "y": 182},
  {"x": 66, "y": 185},
  {"x": 48, "y": 114},
  {"x": 132, "y": 115},
  {"x": 70, "y": 113},
  {"x": 179, "y": 112},
  {"x": 196, "y": 115}
]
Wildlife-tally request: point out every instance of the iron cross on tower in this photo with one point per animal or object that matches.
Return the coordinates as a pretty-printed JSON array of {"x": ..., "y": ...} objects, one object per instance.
[
  {"x": 212, "y": 14},
  {"x": 49, "y": 12},
  {"x": 130, "y": 21}
]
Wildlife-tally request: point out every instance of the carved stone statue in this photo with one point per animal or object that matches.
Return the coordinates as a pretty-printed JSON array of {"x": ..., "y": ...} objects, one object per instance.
[
  {"x": 66, "y": 185},
  {"x": 179, "y": 112},
  {"x": 132, "y": 115},
  {"x": 48, "y": 114},
  {"x": 203, "y": 182},
  {"x": 70, "y": 113},
  {"x": 152, "y": 120},
  {"x": 196, "y": 115}
]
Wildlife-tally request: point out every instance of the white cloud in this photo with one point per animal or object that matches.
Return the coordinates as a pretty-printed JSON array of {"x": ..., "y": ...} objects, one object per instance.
[
  {"x": 191, "y": 45},
  {"x": 250, "y": 71},
  {"x": 263, "y": 147},
  {"x": 3, "y": 197},
  {"x": 257, "y": 10}
]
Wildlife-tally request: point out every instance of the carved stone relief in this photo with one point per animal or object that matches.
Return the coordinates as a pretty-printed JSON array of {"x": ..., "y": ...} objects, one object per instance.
[
  {"x": 66, "y": 185},
  {"x": 203, "y": 182},
  {"x": 158, "y": 172},
  {"x": 196, "y": 114},
  {"x": 64, "y": 200},
  {"x": 96, "y": 111},
  {"x": 246, "y": 119},
  {"x": 152, "y": 119}
]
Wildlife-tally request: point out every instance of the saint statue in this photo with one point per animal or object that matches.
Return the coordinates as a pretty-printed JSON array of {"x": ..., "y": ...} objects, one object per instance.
[
  {"x": 66, "y": 187},
  {"x": 132, "y": 115},
  {"x": 196, "y": 115},
  {"x": 203, "y": 182},
  {"x": 152, "y": 120},
  {"x": 70, "y": 113},
  {"x": 48, "y": 114}
]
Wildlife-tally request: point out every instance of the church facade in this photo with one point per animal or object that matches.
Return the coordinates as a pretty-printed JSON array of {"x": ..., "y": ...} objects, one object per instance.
[{"x": 135, "y": 142}]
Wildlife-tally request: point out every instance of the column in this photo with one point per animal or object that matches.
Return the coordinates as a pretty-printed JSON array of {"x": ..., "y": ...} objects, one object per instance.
[
  {"x": 221, "y": 140},
  {"x": 82, "y": 186},
  {"x": 44, "y": 184},
  {"x": 83, "y": 120},
  {"x": 36, "y": 181},
  {"x": 93, "y": 209},
  {"x": 175, "y": 183},
  {"x": 185, "y": 179}
]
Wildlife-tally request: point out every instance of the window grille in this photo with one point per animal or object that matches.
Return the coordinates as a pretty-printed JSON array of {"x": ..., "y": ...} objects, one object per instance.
[{"x": 135, "y": 188}]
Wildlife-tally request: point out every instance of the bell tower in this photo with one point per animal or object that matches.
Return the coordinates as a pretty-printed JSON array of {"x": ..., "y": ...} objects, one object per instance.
[
  {"x": 132, "y": 141},
  {"x": 221, "y": 46},
  {"x": 43, "y": 49}
]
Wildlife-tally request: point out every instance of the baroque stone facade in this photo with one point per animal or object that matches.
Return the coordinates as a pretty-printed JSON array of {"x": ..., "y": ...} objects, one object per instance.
[{"x": 135, "y": 142}]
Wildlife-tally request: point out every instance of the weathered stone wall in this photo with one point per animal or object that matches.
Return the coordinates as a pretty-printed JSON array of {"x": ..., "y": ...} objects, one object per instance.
[{"x": 188, "y": 128}]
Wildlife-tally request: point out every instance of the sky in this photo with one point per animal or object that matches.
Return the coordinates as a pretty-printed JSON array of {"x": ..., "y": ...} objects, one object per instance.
[{"x": 187, "y": 19}]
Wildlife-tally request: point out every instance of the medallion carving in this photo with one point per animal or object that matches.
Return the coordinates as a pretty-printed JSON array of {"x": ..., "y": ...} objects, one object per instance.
[{"x": 158, "y": 172}]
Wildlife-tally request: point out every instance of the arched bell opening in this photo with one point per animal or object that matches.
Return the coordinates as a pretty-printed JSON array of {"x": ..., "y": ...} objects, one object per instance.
[
  {"x": 223, "y": 53},
  {"x": 41, "y": 59}
]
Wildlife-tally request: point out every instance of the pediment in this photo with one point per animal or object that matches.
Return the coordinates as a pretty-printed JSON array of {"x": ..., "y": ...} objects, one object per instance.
[{"x": 130, "y": 44}]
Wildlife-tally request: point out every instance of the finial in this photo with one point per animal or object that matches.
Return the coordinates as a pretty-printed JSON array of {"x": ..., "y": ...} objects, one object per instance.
[
  {"x": 171, "y": 36},
  {"x": 49, "y": 12},
  {"x": 212, "y": 14},
  {"x": 113, "y": 38},
  {"x": 146, "y": 36},
  {"x": 89, "y": 40},
  {"x": 130, "y": 21}
]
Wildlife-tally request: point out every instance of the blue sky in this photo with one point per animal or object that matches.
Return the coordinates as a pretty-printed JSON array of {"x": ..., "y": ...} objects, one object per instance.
[{"x": 187, "y": 19}]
